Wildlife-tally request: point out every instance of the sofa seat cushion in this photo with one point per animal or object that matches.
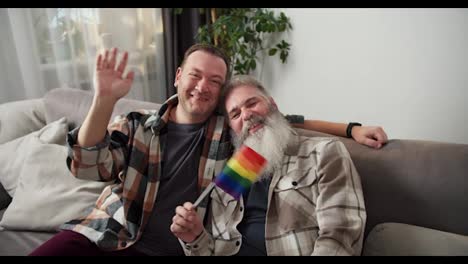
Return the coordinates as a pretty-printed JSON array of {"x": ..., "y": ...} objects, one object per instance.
[
  {"x": 16, "y": 243},
  {"x": 395, "y": 239}
]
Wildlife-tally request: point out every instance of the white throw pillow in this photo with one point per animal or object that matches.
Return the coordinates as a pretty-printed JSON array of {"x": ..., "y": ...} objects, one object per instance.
[
  {"x": 47, "y": 195},
  {"x": 13, "y": 154},
  {"x": 20, "y": 118}
]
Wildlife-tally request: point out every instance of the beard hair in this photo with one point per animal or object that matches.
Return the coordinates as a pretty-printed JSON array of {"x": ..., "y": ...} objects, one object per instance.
[{"x": 270, "y": 141}]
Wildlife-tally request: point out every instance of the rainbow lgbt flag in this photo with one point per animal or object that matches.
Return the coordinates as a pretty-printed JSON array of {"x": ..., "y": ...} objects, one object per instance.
[{"x": 241, "y": 171}]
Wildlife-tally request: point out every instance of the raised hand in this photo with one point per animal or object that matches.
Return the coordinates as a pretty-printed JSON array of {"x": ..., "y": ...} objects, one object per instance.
[
  {"x": 110, "y": 82},
  {"x": 371, "y": 136},
  {"x": 186, "y": 224}
]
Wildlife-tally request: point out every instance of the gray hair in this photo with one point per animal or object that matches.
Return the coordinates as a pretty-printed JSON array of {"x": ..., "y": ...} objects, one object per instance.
[{"x": 241, "y": 80}]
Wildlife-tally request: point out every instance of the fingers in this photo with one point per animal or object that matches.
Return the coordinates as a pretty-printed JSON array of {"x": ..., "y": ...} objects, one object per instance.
[
  {"x": 123, "y": 63},
  {"x": 380, "y": 135},
  {"x": 112, "y": 59},
  {"x": 104, "y": 60},
  {"x": 130, "y": 76},
  {"x": 184, "y": 212},
  {"x": 182, "y": 220},
  {"x": 99, "y": 62},
  {"x": 372, "y": 143},
  {"x": 186, "y": 224},
  {"x": 374, "y": 137},
  {"x": 181, "y": 224},
  {"x": 185, "y": 216},
  {"x": 109, "y": 61},
  {"x": 177, "y": 229},
  {"x": 188, "y": 206}
]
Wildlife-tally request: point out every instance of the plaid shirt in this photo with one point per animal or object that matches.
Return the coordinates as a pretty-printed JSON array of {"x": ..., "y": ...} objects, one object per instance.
[
  {"x": 315, "y": 206},
  {"x": 130, "y": 157}
]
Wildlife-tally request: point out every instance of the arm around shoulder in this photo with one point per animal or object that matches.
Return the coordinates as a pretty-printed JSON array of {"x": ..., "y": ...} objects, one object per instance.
[{"x": 372, "y": 136}]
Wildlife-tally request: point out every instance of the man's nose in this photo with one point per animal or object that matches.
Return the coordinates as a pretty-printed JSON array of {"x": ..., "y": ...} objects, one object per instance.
[
  {"x": 202, "y": 86},
  {"x": 246, "y": 115}
]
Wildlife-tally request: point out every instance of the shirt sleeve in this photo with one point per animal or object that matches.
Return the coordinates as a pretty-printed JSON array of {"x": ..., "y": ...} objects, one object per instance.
[
  {"x": 102, "y": 162},
  {"x": 341, "y": 213},
  {"x": 202, "y": 246},
  {"x": 295, "y": 119}
]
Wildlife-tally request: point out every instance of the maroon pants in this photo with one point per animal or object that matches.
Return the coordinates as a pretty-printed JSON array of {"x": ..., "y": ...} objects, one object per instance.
[{"x": 69, "y": 243}]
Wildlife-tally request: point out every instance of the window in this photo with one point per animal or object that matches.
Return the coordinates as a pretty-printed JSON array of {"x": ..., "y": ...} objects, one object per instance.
[{"x": 67, "y": 40}]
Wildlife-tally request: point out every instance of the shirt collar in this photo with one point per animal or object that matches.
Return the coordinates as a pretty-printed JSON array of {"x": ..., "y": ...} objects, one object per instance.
[{"x": 157, "y": 120}]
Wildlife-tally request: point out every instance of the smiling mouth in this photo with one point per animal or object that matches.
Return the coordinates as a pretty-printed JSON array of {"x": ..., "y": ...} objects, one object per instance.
[{"x": 255, "y": 128}]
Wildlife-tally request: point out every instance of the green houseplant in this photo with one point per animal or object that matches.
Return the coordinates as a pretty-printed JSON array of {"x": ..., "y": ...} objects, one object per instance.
[{"x": 245, "y": 33}]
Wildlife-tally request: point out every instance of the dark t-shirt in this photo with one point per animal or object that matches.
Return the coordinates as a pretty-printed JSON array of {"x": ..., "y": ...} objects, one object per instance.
[
  {"x": 182, "y": 146},
  {"x": 252, "y": 226}
]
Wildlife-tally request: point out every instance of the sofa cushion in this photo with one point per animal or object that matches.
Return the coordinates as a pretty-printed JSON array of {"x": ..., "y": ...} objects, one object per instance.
[
  {"x": 392, "y": 239},
  {"x": 14, "y": 243},
  {"x": 14, "y": 153},
  {"x": 20, "y": 118},
  {"x": 47, "y": 195}
]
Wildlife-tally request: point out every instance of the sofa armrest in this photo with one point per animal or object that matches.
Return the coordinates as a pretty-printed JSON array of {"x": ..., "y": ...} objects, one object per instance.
[
  {"x": 395, "y": 239},
  {"x": 417, "y": 182}
]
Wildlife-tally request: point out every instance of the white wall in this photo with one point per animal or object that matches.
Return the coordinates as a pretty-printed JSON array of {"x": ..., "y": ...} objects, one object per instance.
[{"x": 403, "y": 69}]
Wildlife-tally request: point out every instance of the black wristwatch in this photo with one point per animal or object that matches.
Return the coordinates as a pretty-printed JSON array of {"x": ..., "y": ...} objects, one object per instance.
[{"x": 350, "y": 127}]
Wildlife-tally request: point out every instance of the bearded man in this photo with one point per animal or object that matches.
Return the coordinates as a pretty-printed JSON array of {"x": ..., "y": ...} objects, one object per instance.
[{"x": 308, "y": 201}]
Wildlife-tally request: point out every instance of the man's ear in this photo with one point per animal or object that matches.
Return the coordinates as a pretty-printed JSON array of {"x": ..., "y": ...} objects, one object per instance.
[
  {"x": 273, "y": 103},
  {"x": 177, "y": 76}
]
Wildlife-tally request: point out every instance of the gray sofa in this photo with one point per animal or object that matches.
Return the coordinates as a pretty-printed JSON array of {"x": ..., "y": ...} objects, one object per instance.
[{"x": 416, "y": 192}]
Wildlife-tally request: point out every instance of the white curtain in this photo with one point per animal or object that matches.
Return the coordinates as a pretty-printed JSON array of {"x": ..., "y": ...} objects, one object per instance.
[{"x": 46, "y": 48}]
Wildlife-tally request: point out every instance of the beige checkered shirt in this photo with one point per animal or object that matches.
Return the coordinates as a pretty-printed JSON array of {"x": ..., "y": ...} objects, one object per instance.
[{"x": 315, "y": 206}]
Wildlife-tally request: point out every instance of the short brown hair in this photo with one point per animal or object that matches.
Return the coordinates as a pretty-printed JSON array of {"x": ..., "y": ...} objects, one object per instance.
[{"x": 208, "y": 48}]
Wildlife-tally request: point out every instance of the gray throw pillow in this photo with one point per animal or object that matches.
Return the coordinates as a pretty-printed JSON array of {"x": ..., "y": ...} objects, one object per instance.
[{"x": 46, "y": 194}]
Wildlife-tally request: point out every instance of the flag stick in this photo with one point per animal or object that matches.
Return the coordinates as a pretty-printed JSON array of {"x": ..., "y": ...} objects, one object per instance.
[{"x": 205, "y": 193}]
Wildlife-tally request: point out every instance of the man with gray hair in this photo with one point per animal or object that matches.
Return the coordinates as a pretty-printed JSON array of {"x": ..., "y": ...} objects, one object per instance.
[{"x": 308, "y": 201}]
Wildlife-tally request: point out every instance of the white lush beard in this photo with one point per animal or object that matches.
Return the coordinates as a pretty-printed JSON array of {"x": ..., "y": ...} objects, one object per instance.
[{"x": 270, "y": 141}]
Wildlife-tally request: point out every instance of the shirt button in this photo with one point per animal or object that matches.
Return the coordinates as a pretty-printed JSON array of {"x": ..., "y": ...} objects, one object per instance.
[
  {"x": 241, "y": 209},
  {"x": 123, "y": 244},
  {"x": 294, "y": 183},
  {"x": 237, "y": 243}
]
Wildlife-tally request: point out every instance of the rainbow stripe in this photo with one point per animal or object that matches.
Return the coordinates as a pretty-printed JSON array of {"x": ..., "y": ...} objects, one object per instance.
[{"x": 240, "y": 171}]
